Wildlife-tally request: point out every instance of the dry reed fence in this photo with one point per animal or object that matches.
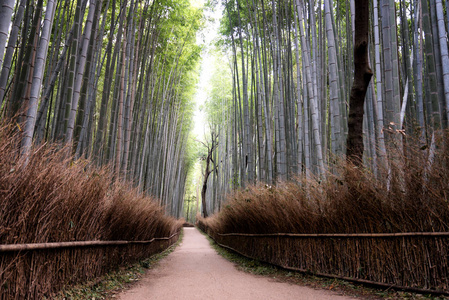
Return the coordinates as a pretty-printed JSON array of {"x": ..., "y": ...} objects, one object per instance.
[
  {"x": 32, "y": 274},
  {"x": 411, "y": 262},
  {"x": 53, "y": 200},
  {"x": 355, "y": 225}
]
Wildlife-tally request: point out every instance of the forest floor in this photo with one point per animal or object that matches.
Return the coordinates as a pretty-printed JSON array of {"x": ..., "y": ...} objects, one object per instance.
[{"x": 195, "y": 271}]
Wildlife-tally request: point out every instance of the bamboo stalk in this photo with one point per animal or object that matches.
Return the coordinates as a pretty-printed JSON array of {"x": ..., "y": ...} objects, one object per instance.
[{"x": 77, "y": 244}]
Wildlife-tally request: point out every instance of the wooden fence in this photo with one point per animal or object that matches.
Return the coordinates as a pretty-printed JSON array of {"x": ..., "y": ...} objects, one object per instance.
[
  {"x": 409, "y": 261},
  {"x": 34, "y": 271}
]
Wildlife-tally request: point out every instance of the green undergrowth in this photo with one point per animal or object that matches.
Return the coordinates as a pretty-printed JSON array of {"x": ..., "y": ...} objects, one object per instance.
[
  {"x": 339, "y": 286},
  {"x": 109, "y": 285}
]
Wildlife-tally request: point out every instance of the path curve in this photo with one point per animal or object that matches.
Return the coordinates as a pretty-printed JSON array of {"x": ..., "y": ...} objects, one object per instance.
[{"x": 195, "y": 271}]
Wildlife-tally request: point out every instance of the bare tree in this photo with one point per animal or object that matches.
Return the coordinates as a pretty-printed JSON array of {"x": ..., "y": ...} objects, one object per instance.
[{"x": 210, "y": 145}]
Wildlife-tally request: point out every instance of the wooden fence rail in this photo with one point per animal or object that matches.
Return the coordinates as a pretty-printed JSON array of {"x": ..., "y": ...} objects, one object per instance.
[
  {"x": 342, "y": 235},
  {"x": 76, "y": 244},
  {"x": 36, "y": 271}
]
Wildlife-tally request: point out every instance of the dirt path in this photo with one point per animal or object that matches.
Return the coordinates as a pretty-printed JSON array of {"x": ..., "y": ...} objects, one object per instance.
[{"x": 195, "y": 271}]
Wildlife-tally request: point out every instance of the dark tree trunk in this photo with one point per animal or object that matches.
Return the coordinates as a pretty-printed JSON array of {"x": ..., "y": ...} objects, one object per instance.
[
  {"x": 203, "y": 192},
  {"x": 210, "y": 150},
  {"x": 362, "y": 77},
  {"x": 207, "y": 172}
]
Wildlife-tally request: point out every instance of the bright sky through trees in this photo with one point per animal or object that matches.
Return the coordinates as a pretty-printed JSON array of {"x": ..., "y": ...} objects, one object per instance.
[{"x": 205, "y": 38}]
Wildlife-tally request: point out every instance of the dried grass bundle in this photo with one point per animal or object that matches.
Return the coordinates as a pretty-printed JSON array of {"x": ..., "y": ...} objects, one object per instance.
[
  {"x": 55, "y": 199},
  {"x": 410, "y": 196}
]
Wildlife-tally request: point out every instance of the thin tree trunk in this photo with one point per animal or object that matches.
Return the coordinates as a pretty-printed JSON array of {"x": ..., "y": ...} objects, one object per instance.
[
  {"x": 310, "y": 88},
  {"x": 118, "y": 151},
  {"x": 80, "y": 72},
  {"x": 333, "y": 82},
  {"x": 6, "y": 10},
  {"x": 444, "y": 51},
  {"x": 41, "y": 57},
  {"x": 6, "y": 65}
]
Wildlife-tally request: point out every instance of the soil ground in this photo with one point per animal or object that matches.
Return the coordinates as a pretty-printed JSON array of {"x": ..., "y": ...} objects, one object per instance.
[{"x": 195, "y": 271}]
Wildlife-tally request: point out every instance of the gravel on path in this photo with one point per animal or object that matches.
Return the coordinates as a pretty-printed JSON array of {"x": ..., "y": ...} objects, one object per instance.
[{"x": 195, "y": 271}]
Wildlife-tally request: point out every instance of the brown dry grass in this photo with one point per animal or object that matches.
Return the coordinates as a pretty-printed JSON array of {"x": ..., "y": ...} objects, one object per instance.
[
  {"x": 53, "y": 199},
  {"x": 352, "y": 201},
  {"x": 414, "y": 199}
]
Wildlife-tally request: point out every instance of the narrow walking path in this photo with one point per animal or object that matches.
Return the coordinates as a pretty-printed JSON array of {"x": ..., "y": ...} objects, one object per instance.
[{"x": 195, "y": 271}]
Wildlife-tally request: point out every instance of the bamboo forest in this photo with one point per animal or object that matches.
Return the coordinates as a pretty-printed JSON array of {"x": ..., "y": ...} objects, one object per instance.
[{"x": 311, "y": 135}]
